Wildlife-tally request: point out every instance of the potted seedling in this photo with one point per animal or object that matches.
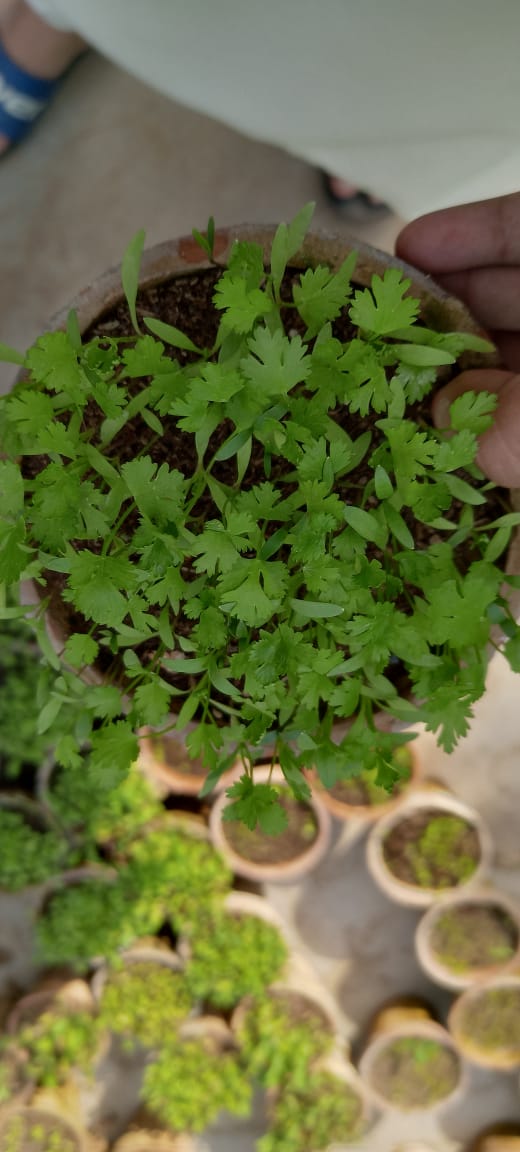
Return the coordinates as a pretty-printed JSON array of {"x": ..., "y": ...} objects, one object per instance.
[
  {"x": 282, "y": 1034},
  {"x": 232, "y": 955},
  {"x": 57, "y": 1046},
  {"x": 468, "y": 937},
  {"x": 190, "y": 1082},
  {"x": 361, "y": 797},
  {"x": 251, "y": 850},
  {"x": 183, "y": 874},
  {"x": 238, "y": 517},
  {"x": 37, "y": 1130},
  {"x": 430, "y": 845},
  {"x": 166, "y": 761},
  {"x": 485, "y": 1023},
  {"x": 144, "y": 1001},
  {"x": 332, "y": 1110},
  {"x": 410, "y": 1063}
]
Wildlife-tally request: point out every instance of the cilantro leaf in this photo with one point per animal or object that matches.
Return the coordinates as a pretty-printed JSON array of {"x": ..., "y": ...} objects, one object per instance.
[
  {"x": 384, "y": 308},
  {"x": 255, "y": 804}
]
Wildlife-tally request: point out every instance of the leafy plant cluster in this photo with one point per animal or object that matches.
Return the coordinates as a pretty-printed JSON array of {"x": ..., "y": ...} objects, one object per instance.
[
  {"x": 280, "y": 1048},
  {"x": 57, "y": 1042},
  {"x": 330, "y": 1112},
  {"x": 167, "y": 876},
  {"x": 265, "y": 593},
  {"x": 144, "y": 1002},
  {"x": 189, "y": 1084},
  {"x": 234, "y": 956},
  {"x": 25, "y": 681},
  {"x": 28, "y": 856},
  {"x": 37, "y": 1132}
]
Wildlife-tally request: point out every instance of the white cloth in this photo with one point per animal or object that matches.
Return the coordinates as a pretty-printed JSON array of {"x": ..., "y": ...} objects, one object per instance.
[{"x": 417, "y": 100}]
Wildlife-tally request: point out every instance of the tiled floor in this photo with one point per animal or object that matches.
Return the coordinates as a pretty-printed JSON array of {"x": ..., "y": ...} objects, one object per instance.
[{"x": 112, "y": 157}]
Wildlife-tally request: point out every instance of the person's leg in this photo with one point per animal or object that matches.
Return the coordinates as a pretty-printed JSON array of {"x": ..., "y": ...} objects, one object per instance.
[{"x": 37, "y": 47}]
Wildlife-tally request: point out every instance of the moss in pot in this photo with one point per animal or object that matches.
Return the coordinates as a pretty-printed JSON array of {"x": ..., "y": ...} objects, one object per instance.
[
  {"x": 190, "y": 1082},
  {"x": 282, "y": 1035},
  {"x": 432, "y": 850},
  {"x": 467, "y": 937},
  {"x": 232, "y": 956},
  {"x": 316, "y": 530},
  {"x": 329, "y": 1112},
  {"x": 485, "y": 1023},
  {"x": 34, "y": 1130},
  {"x": 144, "y": 1003},
  {"x": 415, "y": 1072}
]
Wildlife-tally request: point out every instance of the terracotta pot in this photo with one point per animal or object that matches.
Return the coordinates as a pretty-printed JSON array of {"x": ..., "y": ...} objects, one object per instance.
[
  {"x": 182, "y": 257},
  {"x": 367, "y": 813},
  {"x": 472, "y": 1048},
  {"x": 70, "y": 995},
  {"x": 498, "y": 1138},
  {"x": 403, "y": 1020},
  {"x": 433, "y": 964},
  {"x": 442, "y": 802},
  {"x": 272, "y": 871},
  {"x": 145, "y": 952},
  {"x": 25, "y": 1119}
]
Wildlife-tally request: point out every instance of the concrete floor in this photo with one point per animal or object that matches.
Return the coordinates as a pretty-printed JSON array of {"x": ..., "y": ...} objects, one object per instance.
[{"x": 112, "y": 157}]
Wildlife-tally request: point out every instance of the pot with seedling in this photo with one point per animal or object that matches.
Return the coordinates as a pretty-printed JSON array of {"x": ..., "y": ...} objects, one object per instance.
[
  {"x": 164, "y": 759},
  {"x": 485, "y": 1023},
  {"x": 38, "y": 1130},
  {"x": 432, "y": 844},
  {"x": 143, "y": 999},
  {"x": 232, "y": 954},
  {"x": 253, "y": 853},
  {"x": 317, "y": 554},
  {"x": 467, "y": 937},
  {"x": 361, "y": 798},
  {"x": 190, "y": 1082},
  {"x": 282, "y": 1034},
  {"x": 410, "y": 1062},
  {"x": 331, "y": 1109}
]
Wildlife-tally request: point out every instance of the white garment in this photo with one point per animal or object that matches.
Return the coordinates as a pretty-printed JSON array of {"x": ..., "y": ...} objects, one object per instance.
[{"x": 418, "y": 100}]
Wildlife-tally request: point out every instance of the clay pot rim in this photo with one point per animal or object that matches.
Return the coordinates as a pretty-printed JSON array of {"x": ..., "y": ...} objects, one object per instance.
[
  {"x": 289, "y": 870},
  {"x": 433, "y": 965},
  {"x": 420, "y": 1029},
  {"x": 471, "y": 1050},
  {"x": 47, "y": 998},
  {"x": 409, "y": 894}
]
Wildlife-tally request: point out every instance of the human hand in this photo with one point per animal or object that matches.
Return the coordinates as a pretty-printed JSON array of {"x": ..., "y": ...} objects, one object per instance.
[{"x": 473, "y": 251}]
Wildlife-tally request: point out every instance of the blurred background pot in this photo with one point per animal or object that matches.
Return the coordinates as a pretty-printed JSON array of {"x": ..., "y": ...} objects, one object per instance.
[
  {"x": 485, "y": 1023},
  {"x": 467, "y": 937}
]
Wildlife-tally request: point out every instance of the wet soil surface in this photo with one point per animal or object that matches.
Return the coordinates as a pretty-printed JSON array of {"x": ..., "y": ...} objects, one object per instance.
[
  {"x": 415, "y": 1072},
  {"x": 294, "y": 841},
  {"x": 432, "y": 849},
  {"x": 474, "y": 936}
]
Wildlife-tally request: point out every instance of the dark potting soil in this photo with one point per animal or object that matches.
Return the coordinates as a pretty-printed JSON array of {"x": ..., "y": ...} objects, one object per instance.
[
  {"x": 414, "y": 1072},
  {"x": 294, "y": 841},
  {"x": 474, "y": 936},
  {"x": 432, "y": 849},
  {"x": 492, "y": 1019},
  {"x": 186, "y": 303}
]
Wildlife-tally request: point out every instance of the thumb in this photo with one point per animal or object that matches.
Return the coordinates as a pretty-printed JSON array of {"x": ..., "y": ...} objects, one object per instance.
[{"x": 499, "y": 451}]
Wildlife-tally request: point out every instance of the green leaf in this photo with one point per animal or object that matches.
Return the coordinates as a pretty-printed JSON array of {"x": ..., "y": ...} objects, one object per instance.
[
  {"x": 316, "y": 609},
  {"x": 382, "y": 483},
  {"x": 321, "y": 294},
  {"x": 114, "y": 749},
  {"x": 421, "y": 356},
  {"x": 241, "y": 305},
  {"x": 473, "y": 411},
  {"x": 73, "y": 330},
  {"x": 170, "y": 334},
  {"x": 95, "y": 583},
  {"x": 10, "y": 355},
  {"x": 287, "y": 241},
  {"x": 255, "y": 804},
  {"x": 384, "y": 308},
  {"x": 11, "y": 489},
  {"x": 158, "y": 492},
  {"x": 130, "y": 272},
  {"x": 365, "y": 524},
  {"x": 80, "y": 650},
  {"x": 398, "y": 527},
  {"x": 152, "y": 702},
  {"x": 275, "y": 363},
  {"x": 14, "y": 555}
]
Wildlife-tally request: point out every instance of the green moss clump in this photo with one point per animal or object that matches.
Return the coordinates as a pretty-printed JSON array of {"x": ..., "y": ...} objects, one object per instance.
[
  {"x": 492, "y": 1020},
  {"x": 474, "y": 936},
  {"x": 144, "y": 1002},
  {"x": 232, "y": 957},
  {"x": 56, "y": 1043},
  {"x": 27, "y": 856},
  {"x": 281, "y": 1037},
  {"x": 189, "y": 1084},
  {"x": 329, "y": 1114}
]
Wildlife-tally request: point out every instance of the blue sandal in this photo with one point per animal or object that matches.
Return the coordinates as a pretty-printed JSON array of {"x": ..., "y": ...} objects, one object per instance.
[{"x": 23, "y": 98}]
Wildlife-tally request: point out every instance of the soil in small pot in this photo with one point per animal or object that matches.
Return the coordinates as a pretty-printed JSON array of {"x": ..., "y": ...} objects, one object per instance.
[
  {"x": 294, "y": 841},
  {"x": 31, "y": 1130},
  {"x": 473, "y": 936},
  {"x": 491, "y": 1020},
  {"x": 413, "y": 1072},
  {"x": 432, "y": 849}
]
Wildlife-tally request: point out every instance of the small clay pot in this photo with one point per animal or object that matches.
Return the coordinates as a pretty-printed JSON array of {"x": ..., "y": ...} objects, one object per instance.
[
  {"x": 424, "y": 800},
  {"x": 401, "y": 1021},
  {"x": 272, "y": 871},
  {"x": 436, "y": 967},
  {"x": 367, "y": 813},
  {"x": 498, "y": 1138},
  {"x": 471, "y": 1046},
  {"x": 71, "y": 995},
  {"x": 25, "y": 1120}
]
